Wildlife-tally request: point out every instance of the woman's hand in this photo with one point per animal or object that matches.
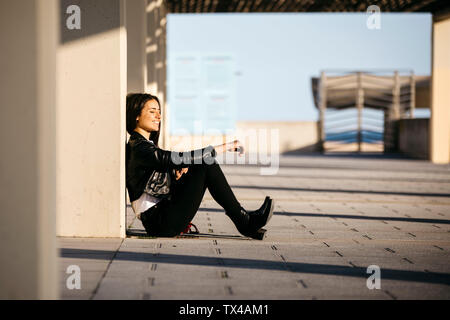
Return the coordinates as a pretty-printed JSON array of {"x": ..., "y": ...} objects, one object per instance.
[
  {"x": 180, "y": 172},
  {"x": 234, "y": 146}
]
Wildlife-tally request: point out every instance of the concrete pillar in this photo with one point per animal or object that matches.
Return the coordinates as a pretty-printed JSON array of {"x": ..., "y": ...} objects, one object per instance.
[
  {"x": 136, "y": 24},
  {"x": 156, "y": 61},
  {"x": 396, "y": 113},
  {"x": 91, "y": 134},
  {"x": 391, "y": 117},
  {"x": 28, "y": 267},
  {"x": 440, "y": 93}
]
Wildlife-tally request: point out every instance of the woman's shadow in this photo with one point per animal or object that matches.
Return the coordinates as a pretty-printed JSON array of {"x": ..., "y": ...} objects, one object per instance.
[
  {"x": 136, "y": 230},
  {"x": 141, "y": 234}
]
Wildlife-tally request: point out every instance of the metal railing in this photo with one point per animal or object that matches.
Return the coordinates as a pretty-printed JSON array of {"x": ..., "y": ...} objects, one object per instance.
[{"x": 388, "y": 93}]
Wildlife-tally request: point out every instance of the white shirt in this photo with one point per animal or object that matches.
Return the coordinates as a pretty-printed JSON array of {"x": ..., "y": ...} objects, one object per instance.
[{"x": 144, "y": 203}]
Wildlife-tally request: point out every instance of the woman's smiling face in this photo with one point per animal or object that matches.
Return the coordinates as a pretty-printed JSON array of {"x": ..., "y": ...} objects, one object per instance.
[{"x": 150, "y": 117}]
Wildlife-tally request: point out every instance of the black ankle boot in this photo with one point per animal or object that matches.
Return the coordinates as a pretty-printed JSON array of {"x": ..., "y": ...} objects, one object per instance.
[
  {"x": 259, "y": 218},
  {"x": 240, "y": 219},
  {"x": 249, "y": 223}
]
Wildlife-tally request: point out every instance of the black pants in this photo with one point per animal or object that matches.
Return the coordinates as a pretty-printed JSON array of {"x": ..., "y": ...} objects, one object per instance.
[{"x": 169, "y": 218}]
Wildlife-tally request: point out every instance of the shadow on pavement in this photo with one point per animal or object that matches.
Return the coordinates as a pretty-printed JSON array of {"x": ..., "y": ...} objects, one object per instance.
[
  {"x": 140, "y": 233},
  {"x": 313, "y": 268},
  {"x": 344, "y": 216},
  {"x": 416, "y": 194},
  {"x": 342, "y": 177},
  {"x": 428, "y": 168}
]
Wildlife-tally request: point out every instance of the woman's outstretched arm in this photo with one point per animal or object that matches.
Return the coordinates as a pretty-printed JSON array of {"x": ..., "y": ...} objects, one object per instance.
[
  {"x": 234, "y": 146},
  {"x": 148, "y": 154}
]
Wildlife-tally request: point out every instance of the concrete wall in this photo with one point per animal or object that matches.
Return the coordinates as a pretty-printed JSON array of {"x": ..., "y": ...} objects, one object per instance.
[
  {"x": 156, "y": 65},
  {"x": 423, "y": 94},
  {"x": 413, "y": 137},
  {"x": 90, "y": 128},
  {"x": 136, "y": 24},
  {"x": 93, "y": 80},
  {"x": 28, "y": 267},
  {"x": 295, "y": 136},
  {"x": 440, "y": 93}
]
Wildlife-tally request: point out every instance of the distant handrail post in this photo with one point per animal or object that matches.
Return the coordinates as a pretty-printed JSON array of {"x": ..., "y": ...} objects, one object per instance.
[
  {"x": 322, "y": 108},
  {"x": 359, "y": 105}
]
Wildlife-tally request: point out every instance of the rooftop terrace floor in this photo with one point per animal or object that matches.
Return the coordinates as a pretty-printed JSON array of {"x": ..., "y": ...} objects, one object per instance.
[{"x": 335, "y": 215}]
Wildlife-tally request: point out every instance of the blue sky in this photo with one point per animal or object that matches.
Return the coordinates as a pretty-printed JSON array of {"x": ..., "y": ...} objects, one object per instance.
[{"x": 277, "y": 54}]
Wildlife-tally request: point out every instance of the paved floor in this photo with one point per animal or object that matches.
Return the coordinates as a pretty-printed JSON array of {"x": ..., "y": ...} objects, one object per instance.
[{"x": 334, "y": 217}]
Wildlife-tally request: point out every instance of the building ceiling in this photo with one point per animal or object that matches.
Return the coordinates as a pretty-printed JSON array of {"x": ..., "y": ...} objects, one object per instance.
[{"x": 204, "y": 6}]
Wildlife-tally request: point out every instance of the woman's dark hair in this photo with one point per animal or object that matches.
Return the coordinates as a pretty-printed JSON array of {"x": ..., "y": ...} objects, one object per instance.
[{"x": 135, "y": 104}]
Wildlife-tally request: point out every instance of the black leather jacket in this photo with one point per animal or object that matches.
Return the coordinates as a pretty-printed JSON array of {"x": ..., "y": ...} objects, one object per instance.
[{"x": 143, "y": 157}]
